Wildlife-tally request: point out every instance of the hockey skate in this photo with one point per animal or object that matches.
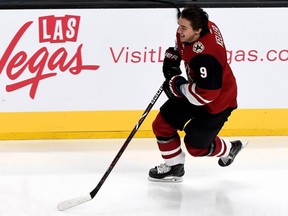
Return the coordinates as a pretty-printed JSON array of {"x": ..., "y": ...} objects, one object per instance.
[
  {"x": 235, "y": 149},
  {"x": 165, "y": 173}
]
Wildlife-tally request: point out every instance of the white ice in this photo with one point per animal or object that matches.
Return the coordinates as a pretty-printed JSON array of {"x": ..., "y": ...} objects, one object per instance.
[{"x": 36, "y": 175}]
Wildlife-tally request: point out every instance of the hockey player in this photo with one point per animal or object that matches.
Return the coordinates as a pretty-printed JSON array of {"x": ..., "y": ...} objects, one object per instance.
[{"x": 200, "y": 104}]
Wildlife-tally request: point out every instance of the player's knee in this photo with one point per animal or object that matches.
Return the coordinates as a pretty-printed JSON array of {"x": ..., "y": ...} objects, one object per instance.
[
  {"x": 161, "y": 128},
  {"x": 156, "y": 126},
  {"x": 195, "y": 148}
]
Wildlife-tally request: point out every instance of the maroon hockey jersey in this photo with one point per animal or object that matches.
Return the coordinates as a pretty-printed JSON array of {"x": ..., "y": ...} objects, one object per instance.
[{"x": 211, "y": 81}]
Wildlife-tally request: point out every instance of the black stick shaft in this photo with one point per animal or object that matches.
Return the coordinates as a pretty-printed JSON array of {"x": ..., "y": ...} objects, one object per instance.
[{"x": 135, "y": 129}]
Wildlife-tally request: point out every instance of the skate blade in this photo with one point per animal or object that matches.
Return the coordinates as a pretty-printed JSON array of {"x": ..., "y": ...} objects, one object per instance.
[
  {"x": 244, "y": 144},
  {"x": 170, "y": 179}
]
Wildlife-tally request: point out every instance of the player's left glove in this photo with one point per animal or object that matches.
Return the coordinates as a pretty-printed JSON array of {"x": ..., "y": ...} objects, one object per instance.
[
  {"x": 171, "y": 63},
  {"x": 171, "y": 86}
]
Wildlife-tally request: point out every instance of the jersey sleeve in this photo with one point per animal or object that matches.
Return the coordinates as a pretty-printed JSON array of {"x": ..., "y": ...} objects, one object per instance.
[{"x": 207, "y": 80}]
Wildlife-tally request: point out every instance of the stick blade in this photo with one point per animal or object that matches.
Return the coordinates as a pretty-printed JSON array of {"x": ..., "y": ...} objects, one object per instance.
[{"x": 73, "y": 202}]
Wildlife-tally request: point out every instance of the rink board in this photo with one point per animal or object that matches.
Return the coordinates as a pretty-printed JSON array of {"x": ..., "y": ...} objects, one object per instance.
[{"x": 62, "y": 76}]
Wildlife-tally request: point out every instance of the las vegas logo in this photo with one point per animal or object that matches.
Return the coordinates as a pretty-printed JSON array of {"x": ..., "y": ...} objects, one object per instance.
[{"x": 43, "y": 63}]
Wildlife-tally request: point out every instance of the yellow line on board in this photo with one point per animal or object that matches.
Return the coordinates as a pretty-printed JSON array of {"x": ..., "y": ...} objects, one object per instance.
[{"x": 119, "y": 124}]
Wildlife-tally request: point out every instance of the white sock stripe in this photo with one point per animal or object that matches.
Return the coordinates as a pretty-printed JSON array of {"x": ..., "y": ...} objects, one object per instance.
[
  {"x": 228, "y": 147},
  {"x": 164, "y": 153},
  {"x": 179, "y": 159},
  {"x": 223, "y": 144}
]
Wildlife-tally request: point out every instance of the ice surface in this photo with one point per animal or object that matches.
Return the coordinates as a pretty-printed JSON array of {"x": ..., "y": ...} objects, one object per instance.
[{"x": 37, "y": 175}]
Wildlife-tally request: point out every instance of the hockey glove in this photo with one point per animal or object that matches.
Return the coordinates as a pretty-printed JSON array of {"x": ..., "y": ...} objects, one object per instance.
[
  {"x": 171, "y": 86},
  {"x": 171, "y": 63}
]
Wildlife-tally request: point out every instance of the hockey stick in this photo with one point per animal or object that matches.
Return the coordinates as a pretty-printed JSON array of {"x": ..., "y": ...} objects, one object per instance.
[{"x": 79, "y": 200}]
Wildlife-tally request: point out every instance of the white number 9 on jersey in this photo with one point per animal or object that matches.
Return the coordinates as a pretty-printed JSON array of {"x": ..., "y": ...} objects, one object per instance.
[{"x": 203, "y": 72}]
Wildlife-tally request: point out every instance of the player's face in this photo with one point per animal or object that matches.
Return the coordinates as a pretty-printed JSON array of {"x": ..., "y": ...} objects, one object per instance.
[{"x": 187, "y": 33}]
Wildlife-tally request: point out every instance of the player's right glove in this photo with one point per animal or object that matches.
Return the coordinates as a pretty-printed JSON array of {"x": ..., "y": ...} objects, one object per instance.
[
  {"x": 171, "y": 86},
  {"x": 171, "y": 63}
]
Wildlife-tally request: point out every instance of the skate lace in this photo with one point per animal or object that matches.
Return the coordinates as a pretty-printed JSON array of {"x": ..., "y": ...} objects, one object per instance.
[
  {"x": 232, "y": 153},
  {"x": 226, "y": 159},
  {"x": 163, "y": 168}
]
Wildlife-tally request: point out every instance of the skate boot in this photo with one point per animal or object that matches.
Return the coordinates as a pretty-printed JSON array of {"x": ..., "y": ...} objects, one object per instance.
[
  {"x": 235, "y": 149},
  {"x": 165, "y": 173}
]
